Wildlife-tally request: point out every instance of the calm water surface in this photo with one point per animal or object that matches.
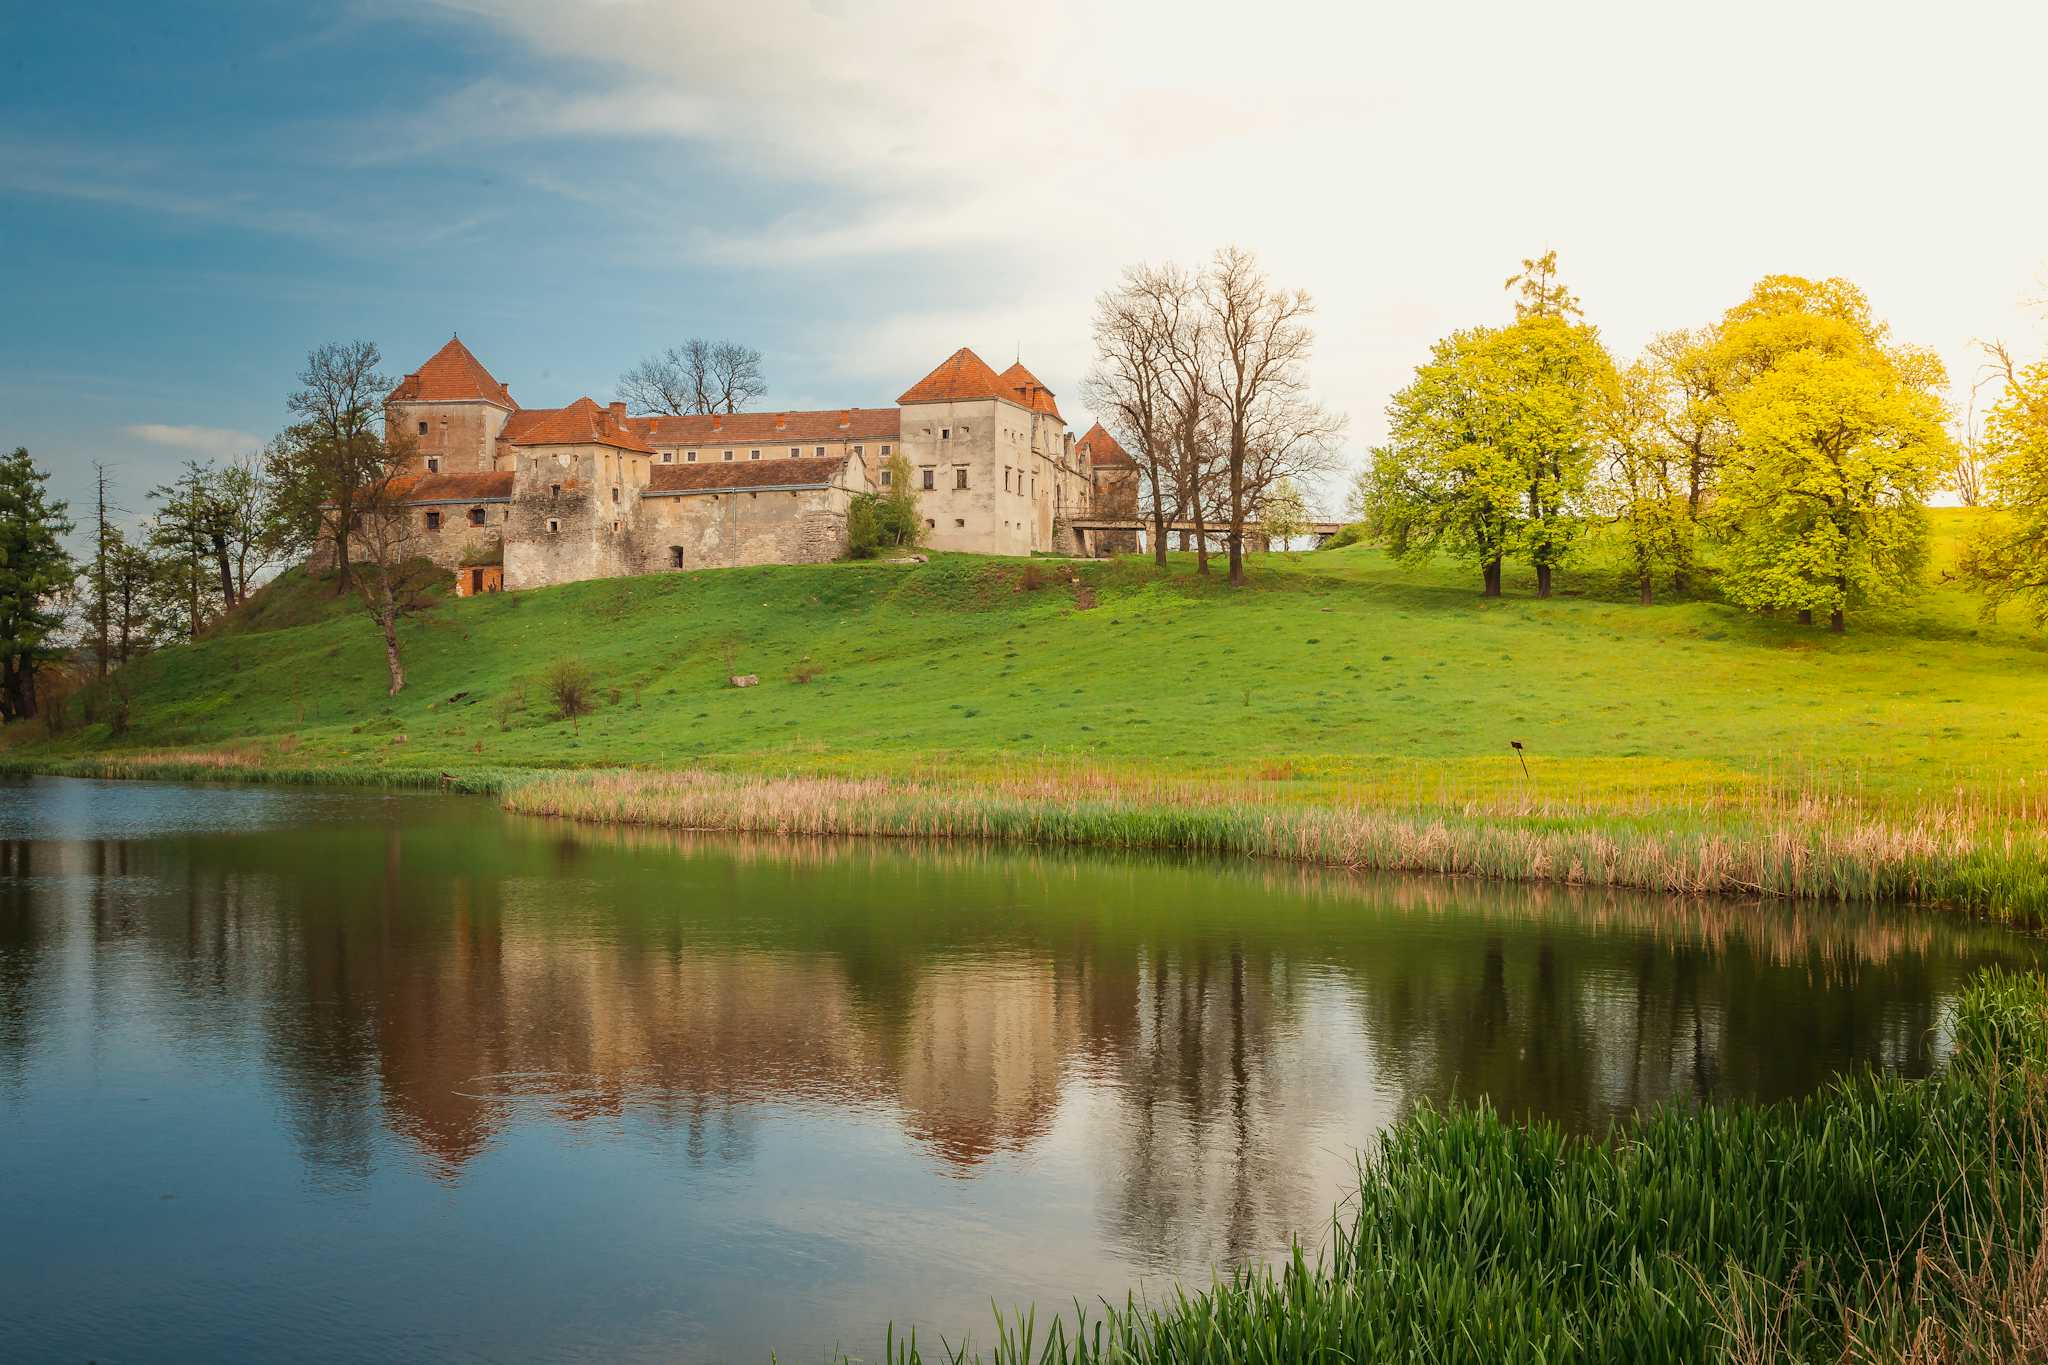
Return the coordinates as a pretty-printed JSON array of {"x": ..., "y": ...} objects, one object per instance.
[{"x": 318, "y": 1076}]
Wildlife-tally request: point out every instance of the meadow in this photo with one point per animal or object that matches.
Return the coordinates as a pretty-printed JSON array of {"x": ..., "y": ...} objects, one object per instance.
[{"x": 1903, "y": 760}]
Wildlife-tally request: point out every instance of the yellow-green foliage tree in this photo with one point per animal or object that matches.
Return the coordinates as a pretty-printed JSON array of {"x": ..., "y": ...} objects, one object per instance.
[
  {"x": 1837, "y": 438},
  {"x": 1641, "y": 484},
  {"x": 2007, "y": 560},
  {"x": 1491, "y": 448}
]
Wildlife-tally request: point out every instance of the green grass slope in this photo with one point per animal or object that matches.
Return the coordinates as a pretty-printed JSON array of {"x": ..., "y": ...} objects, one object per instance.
[{"x": 1337, "y": 666}]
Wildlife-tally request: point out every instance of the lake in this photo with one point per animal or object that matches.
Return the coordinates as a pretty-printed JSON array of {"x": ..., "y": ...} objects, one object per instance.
[{"x": 318, "y": 1075}]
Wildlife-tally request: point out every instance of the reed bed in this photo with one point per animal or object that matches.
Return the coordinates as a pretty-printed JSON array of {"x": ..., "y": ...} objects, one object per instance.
[
  {"x": 1880, "y": 1219},
  {"x": 1790, "y": 844}
]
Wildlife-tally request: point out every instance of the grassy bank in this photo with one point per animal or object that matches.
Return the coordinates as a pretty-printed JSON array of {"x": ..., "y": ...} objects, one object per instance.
[
  {"x": 1681, "y": 746},
  {"x": 1880, "y": 1219}
]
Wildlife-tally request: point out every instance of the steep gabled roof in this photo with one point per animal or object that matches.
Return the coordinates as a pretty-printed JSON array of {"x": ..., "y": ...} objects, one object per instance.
[
  {"x": 715, "y": 476},
  {"x": 1034, "y": 394},
  {"x": 582, "y": 423},
  {"x": 1102, "y": 448},
  {"x": 451, "y": 375},
  {"x": 827, "y": 424},
  {"x": 961, "y": 377}
]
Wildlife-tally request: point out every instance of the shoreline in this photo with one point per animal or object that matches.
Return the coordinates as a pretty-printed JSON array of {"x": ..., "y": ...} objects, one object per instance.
[{"x": 1802, "y": 846}]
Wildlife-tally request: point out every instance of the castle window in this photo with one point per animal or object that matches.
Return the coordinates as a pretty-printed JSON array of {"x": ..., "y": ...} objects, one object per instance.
[
  {"x": 928, "y": 477},
  {"x": 885, "y": 450},
  {"x": 615, "y": 528},
  {"x": 797, "y": 452},
  {"x": 615, "y": 493},
  {"x": 433, "y": 464},
  {"x": 691, "y": 457},
  {"x": 960, "y": 476},
  {"x": 959, "y": 521},
  {"x": 553, "y": 526},
  {"x": 1006, "y": 478},
  {"x": 675, "y": 556},
  {"x": 885, "y": 478},
  {"x": 554, "y": 490},
  {"x": 963, "y": 428},
  {"x": 728, "y": 454},
  {"x": 858, "y": 450},
  {"x": 433, "y": 521},
  {"x": 929, "y": 524},
  {"x": 753, "y": 454},
  {"x": 821, "y": 452},
  {"x": 476, "y": 516},
  {"x": 668, "y": 457},
  {"x": 945, "y": 433},
  {"x": 423, "y": 428}
]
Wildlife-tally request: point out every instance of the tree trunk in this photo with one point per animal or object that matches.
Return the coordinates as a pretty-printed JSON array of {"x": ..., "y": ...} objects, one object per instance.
[
  {"x": 1836, "y": 621},
  {"x": 1201, "y": 540},
  {"x": 387, "y": 620},
  {"x": 1237, "y": 517},
  {"x": 1543, "y": 580},
  {"x": 1492, "y": 577},
  {"x": 1806, "y": 616},
  {"x": 1158, "y": 530},
  {"x": 18, "y": 689},
  {"x": 228, "y": 599},
  {"x": 1648, "y": 591}
]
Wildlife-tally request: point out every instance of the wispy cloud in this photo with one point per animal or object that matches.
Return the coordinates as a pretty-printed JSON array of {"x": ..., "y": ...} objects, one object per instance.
[{"x": 213, "y": 443}]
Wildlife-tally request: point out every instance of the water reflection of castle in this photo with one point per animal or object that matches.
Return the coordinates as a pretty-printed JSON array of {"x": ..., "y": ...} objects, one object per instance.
[{"x": 447, "y": 992}]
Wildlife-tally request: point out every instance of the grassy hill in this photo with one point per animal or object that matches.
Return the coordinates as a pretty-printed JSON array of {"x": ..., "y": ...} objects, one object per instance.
[
  {"x": 1336, "y": 678},
  {"x": 1337, "y": 664}
]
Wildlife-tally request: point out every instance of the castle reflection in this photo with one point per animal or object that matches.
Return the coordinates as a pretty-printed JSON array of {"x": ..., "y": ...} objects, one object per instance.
[{"x": 1207, "y": 1040}]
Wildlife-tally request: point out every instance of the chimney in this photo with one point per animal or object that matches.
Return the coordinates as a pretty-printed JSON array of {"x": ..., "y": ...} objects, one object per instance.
[
  {"x": 781, "y": 420},
  {"x": 619, "y": 413},
  {"x": 846, "y": 419},
  {"x": 716, "y": 421}
]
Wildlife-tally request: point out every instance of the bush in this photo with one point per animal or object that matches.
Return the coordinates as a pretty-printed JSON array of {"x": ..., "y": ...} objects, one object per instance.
[
  {"x": 885, "y": 520},
  {"x": 569, "y": 685},
  {"x": 1353, "y": 533}
]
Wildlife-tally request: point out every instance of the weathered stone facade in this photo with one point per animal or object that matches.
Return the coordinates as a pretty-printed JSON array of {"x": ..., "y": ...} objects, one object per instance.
[{"x": 584, "y": 491}]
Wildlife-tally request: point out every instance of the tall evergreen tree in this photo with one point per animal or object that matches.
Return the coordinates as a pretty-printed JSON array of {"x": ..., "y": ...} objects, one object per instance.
[{"x": 35, "y": 571}]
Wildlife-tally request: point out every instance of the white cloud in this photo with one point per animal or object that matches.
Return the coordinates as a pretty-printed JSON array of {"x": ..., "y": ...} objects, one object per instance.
[
  {"x": 1395, "y": 159},
  {"x": 211, "y": 443}
]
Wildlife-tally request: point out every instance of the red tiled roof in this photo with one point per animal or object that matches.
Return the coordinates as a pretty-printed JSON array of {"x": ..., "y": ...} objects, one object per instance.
[
  {"x": 1102, "y": 448},
  {"x": 712, "y": 476},
  {"x": 827, "y": 424},
  {"x": 454, "y": 487},
  {"x": 450, "y": 375},
  {"x": 1034, "y": 394},
  {"x": 962, "y": 377},
  {"x": 582, "y": 423}
]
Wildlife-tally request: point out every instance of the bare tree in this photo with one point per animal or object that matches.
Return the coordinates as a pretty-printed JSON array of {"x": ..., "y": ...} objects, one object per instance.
[
  {"x": 334, "y": 448},
  {"x": 1257, "y": 370},
  {"x": 386, "y": 539},
  {"x": 1128, "y": 386},
  {"x": 699, "y": 376}
]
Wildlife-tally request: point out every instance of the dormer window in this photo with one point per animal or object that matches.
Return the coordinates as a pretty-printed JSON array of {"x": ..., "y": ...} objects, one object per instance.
[
  {"x": 691, "y": 457},
  {"x": 753, "y": 454},
  {"x": 796, "y": 452},
  {"x": 821, "y": 452}
]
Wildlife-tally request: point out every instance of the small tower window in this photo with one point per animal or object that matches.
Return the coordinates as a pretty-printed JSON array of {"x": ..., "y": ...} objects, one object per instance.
[
  {"x": 433, "y": 464},
  {"x": 668, "y": 457},
  {"x": 929, "y": 475},
  {"x": 691, "y": 457},
  {"x": 728, "y": 454},
  {"x": 797, "y": 452},
  {"x": 945, "y": 433},
  {"x": 423, "y": 428},
  {"x": 885, "y": 478},
  {"x": 821, "y": 452},
  {"x": 885, "y": 450},
  {"x": 553, "y": 526},
  {"x": 960, "y": 476},
  {"x": 675, "y": 556},
  {"x": 476, "y": 516},
  {"x": 615, "y": 493},
  {"x": 554, "y": 490},
  {"x": 433, "y": 521},
  {"x": 753, "y": 454}
]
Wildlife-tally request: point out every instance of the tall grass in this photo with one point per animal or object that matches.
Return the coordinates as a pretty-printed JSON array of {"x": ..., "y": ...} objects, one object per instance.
[
  {"x": 1880, "y": 1219},
  {"x": 1791, "y": 843}
]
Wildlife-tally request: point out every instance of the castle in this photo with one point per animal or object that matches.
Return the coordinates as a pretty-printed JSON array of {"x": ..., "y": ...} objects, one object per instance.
[{"x": 512, "y": 497}]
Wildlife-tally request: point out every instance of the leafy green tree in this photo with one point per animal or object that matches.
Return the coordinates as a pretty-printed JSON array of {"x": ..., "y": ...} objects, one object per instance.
[
  {"x": 1440, "y": 483},
  {"x": 334, "y": 448},
  {"x": 35, "y": 572},
  {"x": 1837, "y": 438},
  {"x": 1283, "y": 516},
  {"x": 1639, "y": 487},
  {"x": 1546, "y": 381},
  {"x": 2006, "y": 561},
  {"x": 887, "y": 518}
]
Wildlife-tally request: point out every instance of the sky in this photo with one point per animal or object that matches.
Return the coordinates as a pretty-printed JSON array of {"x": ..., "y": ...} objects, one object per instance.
[{"x": 194, "y": 195}]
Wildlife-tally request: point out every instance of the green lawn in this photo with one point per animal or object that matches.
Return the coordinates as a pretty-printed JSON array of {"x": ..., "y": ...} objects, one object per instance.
[{"x": 1332, "y": 667}]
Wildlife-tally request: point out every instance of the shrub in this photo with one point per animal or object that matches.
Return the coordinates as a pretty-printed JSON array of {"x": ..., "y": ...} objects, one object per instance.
[
  {"x": 1353, "y": 533},
  {"x": 570, "y": 686},
  {"x": 885, "y": 520}
]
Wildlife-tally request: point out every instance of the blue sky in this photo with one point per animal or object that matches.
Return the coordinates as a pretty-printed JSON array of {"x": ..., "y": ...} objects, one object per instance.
[{"x": 193, "y": 195}]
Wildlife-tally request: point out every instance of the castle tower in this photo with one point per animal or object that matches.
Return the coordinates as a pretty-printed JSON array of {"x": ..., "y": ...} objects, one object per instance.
[{"x": 452, "y": 410}]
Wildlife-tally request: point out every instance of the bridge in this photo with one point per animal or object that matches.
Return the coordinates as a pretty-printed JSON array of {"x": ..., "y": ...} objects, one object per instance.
[{"x": 1094, "y": 532}]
